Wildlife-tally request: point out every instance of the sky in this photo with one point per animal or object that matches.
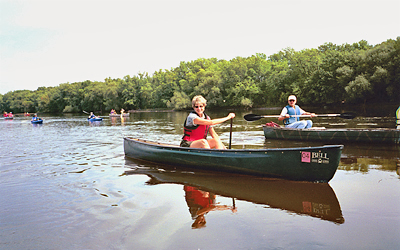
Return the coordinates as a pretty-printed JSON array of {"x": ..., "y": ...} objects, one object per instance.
[{"x": 47, "y": 43}]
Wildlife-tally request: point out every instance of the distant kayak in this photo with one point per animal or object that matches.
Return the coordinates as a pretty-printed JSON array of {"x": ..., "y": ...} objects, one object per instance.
[
  {"x": 9, "y": 117},
  {"x": 96, "y": 119},
  {"x": 40, "y": 121}
]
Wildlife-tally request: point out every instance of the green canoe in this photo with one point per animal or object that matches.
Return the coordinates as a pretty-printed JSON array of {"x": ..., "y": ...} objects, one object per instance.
[
  {"x": 390, "y": 136},
  {"x": 304, "y": 198},
  {"x": 317, "y": 164}
]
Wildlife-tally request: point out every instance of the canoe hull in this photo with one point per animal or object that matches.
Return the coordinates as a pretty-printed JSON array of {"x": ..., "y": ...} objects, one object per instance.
[
  {"x": 301, "y": 164},
  {"x": 390, "y": 136}
]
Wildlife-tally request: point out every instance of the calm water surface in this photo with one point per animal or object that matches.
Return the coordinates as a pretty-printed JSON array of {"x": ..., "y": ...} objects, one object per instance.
[{"x": 67, "y": 185}]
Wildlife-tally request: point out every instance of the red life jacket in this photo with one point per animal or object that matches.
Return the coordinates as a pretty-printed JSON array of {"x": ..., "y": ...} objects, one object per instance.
[
  {"x": 195, "y": 197},
  {"x": 194, "y": 133}
]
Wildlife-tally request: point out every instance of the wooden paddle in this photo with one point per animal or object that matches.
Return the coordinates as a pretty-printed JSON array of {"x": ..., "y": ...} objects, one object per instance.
[
  {"x": 230, "y": 135},
  {"x": 254, "y": 117}
]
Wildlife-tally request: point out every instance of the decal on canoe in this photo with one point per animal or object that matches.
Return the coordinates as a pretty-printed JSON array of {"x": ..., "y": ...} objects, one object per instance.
[
  {"x": 306, "y": 157},
  {"x": 316, "y": 208},
  {"x": 314, "y": 157},
  {"x": 319, "y": 157}
]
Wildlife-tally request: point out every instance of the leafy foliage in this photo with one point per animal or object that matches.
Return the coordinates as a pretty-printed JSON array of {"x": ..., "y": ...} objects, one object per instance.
[{"x": 328, "y": 74}]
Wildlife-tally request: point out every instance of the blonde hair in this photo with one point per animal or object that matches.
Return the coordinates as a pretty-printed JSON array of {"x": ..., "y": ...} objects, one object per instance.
[{"x": 199, "y": 99}]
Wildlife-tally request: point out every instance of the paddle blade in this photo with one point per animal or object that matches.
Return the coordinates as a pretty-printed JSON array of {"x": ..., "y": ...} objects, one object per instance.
[
  {"x": 252, "y": 117},
  {"x": 348, "y": 115}
]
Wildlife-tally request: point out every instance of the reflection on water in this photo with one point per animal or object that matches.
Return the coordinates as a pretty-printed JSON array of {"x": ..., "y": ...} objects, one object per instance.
[
  {"x": 201, "y": 203},
  {"x": 313, "y": 199},
  {"x": 365, "y": 157}
]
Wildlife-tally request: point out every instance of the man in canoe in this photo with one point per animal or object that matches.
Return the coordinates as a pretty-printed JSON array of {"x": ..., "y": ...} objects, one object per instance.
[
  {"x": 198, "y": 124},
  {"x": 294, "y": 110},
  {"x": 398, "y": 118}
]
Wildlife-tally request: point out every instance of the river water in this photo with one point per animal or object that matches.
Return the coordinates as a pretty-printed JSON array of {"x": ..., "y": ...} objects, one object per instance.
[{"x": 66, "y": 184}]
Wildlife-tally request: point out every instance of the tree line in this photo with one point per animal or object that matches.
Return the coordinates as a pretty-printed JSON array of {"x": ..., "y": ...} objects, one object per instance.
[{"x": 329, "y": 74}]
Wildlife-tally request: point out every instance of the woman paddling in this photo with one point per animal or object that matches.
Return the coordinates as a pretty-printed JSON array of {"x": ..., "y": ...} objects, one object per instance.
[{"x": 198, "y": 124}]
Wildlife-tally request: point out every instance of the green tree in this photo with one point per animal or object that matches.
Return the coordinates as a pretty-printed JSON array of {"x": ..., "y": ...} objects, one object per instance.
[
  {"x": 179, "y": 101},
  {"x": 358, "y": 88}
]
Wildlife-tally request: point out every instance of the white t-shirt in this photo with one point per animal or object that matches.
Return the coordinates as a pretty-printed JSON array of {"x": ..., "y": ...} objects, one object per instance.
[{"x": 191, "y": 117}]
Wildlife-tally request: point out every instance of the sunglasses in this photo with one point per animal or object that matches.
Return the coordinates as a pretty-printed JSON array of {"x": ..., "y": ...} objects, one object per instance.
[
  {"x": 201, "y": 106},
  {"x": 291, "y": 100}
]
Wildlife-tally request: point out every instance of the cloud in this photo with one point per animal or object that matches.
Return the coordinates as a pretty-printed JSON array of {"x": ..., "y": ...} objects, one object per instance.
[{"x": 45, "y": 43}]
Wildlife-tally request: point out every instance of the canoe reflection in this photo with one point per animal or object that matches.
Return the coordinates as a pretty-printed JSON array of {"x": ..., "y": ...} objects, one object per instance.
[
  {"x": 363, "y": 157},
  {"x": 389, "y": 152},
  {"x": 305, "y": 198}
]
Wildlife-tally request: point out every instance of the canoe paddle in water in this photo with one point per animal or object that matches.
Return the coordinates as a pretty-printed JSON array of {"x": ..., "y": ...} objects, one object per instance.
[{"x": 254, "y": 117}]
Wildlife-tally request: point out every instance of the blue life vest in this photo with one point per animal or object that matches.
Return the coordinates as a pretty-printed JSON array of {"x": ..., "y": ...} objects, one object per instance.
[{"x": 291, "y": 111}]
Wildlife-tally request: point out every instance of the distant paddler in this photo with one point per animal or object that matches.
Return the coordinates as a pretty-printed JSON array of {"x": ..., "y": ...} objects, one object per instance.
[
  {"x": 398, "y": 118},
  {"x": 92, "y": 116},
  {"x": 35, "y": 117},
  {"x": 36, "y": 120},
  {"x": 290, "y": 114}
]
